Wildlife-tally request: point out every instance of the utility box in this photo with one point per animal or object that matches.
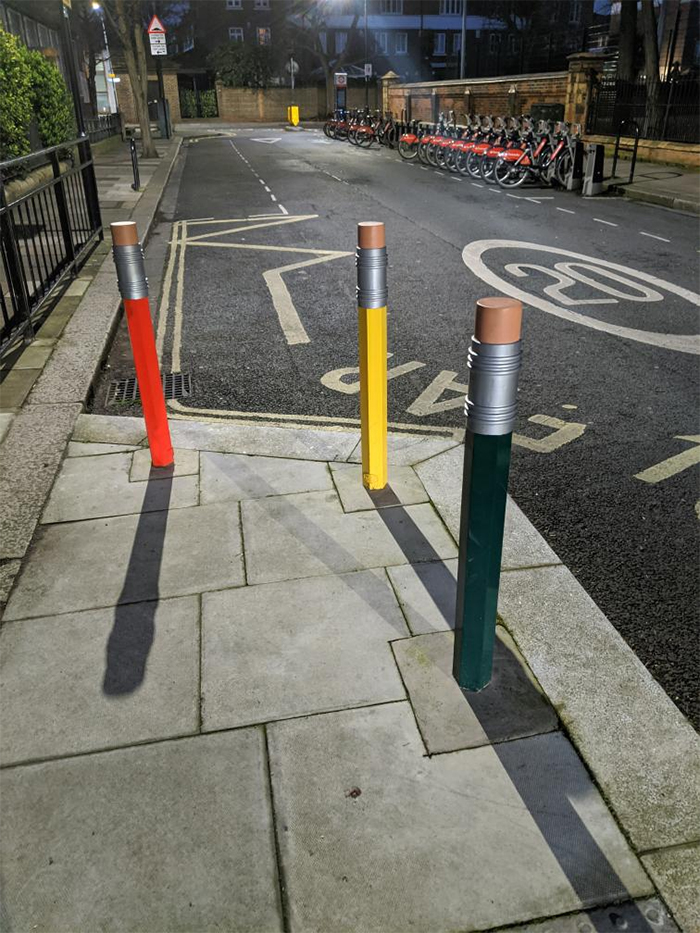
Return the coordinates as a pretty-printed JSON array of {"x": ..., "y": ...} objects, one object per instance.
[
  {"x": 593, "y": 173},
  {"x": 293, "y": 115}
]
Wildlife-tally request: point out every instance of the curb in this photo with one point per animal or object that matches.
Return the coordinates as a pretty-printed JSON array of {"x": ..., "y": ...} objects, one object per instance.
[
  {"x": 33, "y": 448},
  {"x": 661, "y": 200}
]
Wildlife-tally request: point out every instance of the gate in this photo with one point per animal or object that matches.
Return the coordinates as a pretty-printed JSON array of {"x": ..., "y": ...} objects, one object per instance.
[
  {"x": 675, "y": 116},
  {"x": 197, "y": 97}
]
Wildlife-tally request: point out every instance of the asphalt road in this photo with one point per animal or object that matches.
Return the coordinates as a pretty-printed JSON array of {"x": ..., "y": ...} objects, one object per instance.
[{"x": 609, "y": 386}]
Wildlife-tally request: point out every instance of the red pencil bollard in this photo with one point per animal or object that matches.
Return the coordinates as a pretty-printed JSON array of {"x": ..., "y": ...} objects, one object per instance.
[{"x": 133, "y": 287}]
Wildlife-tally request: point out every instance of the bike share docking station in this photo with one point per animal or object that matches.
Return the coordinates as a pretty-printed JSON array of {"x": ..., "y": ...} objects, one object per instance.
[
  {"x": 494, "y": 362},
  {"x": 593, "y": 175}
]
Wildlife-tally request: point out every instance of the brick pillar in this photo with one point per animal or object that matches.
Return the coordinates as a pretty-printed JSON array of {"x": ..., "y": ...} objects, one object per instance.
[
  {"x": 387, "y": 81},
  {"x": 583, "y": 68},
  {"x": 172, "y": 96}
]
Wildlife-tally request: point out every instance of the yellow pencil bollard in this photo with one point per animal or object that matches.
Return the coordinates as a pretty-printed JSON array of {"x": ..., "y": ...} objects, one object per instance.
[{"x": 371, "y": 264}]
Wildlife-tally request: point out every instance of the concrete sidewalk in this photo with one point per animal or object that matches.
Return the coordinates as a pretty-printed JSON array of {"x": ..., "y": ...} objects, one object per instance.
[
  {"x": 654, "y": 183},
  {"x": 227, "y": 705}
]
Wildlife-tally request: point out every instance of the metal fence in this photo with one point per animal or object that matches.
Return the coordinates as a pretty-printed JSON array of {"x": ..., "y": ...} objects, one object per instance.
[
  {"x": 674, "y": 116},
  {"x": 49, "y": 222},
  {"x": 104, "y": 126}
]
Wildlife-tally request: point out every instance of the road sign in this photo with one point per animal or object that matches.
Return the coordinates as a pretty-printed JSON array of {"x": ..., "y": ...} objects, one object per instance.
[
  {"x": 156, "y": 37},
  {"x": 368, "y": 70},
  {"x": 340, "y": 79},
  {"x": 155, "y": 26}
]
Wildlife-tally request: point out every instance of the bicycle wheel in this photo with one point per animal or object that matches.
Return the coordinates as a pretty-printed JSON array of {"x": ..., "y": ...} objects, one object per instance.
[
  {"x": 423, "y": 153},
  {"x": 365, "y": 140},
  {"x": 486, "y": 167},
  {"x": 474, "y": 165},
  {"x": 440, "y": 155},
  {"x": 326, "y": 129},
  {"x": 508, "y": 175},
  {"x": 430, "y": 155},
  {"x": 352, "y": 137},
  {"x": 563, "y": 167},
  {"x": 461, "y": 161},
  {"x": 408, "y": 151}
]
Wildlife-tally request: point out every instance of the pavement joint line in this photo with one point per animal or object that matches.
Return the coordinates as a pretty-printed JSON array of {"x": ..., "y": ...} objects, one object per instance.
[
  {"x": 401, "y": 677},
  {"x": 676, "y": 846},
  {"x": 244, "y": 561},
  {"x": 282, "y": 886},
  {"x": 654, "y": 236},
  {"x": 497, "y": 742},
  {"x": 184, "y": 736},
  {"x": 200, "y": 653}
]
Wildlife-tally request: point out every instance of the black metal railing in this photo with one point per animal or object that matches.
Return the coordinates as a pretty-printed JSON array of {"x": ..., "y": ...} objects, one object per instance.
[
  {"x": 673, "y": 115},
  {"x": 104, "y": 126},
  {"x": 49, "y": 222}
]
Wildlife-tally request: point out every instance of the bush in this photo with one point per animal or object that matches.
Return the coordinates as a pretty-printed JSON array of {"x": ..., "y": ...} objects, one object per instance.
[
  {"x": 240, "y": 65},
  {"x": 53, "y": 104},
  {"x": 31, "y": 88},
  {"x": 16, "y": 109}
]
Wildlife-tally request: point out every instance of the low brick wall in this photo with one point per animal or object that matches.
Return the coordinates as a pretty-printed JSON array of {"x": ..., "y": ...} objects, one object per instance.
[
  {"x": 514, "y": 94},
  {"x": 654, "y": 150},
  {"x": 246, "y": 105}
]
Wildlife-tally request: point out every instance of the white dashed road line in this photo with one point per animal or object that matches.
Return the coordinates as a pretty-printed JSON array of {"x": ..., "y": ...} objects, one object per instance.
[
  {"x": 655, "y": 237},
  {"x": 565, "y": 211},
  {"x": 609, "y": 223}
]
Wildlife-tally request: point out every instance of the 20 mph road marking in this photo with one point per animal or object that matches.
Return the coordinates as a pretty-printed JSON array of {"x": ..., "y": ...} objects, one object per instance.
[{"x": 667, "y": 468}]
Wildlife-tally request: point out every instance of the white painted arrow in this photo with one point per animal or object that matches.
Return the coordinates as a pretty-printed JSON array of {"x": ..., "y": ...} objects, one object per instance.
[{"x": 675, "y": 464}]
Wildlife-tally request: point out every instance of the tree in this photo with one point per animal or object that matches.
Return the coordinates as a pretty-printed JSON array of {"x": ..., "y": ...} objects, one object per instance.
[
  {"x": 652, "y": 121},
  {"x": 240, "y": 65},
  {"x": 126, "y": 16},
  {"x": 308, "y": 20}
]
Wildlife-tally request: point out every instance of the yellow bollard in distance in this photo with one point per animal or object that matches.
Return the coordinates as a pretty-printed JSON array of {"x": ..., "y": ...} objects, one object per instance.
[
  {"x": 293, "y": 115},
  {"x": 371, "y": 264}
]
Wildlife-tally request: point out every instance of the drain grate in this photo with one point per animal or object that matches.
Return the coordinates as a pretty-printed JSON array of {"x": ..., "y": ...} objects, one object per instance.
[{"x": 175, "y": 385}]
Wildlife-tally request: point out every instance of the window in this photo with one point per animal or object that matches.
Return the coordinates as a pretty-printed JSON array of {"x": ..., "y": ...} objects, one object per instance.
[
  {"x": 341, "y": 40},
  {"x": 235, "y": 34},
  {"x": 264, "y": 37},
  {"x": 393, "y": 7},
  {"x": 451, "y": 7},
  {"x": 323, "y": 39},
  {"x": 401, "y": 43},
  {"x": 382, "y": 40},
  {"x": 494, "y": 39},
  {"x": 457, "y": 43},
  {"x": 262, "y": 5},
  {"x": 512, "y": 45},
  {"x": 234, "y": 4},
  {"x": 439, "y": 43},
  {"x": 575, "y": 12}
]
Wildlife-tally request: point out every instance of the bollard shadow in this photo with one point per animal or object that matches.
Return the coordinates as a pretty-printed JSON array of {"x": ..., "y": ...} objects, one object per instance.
[
  {"x": 133, "y": 631},
  {"x": 552, "y": 787}
]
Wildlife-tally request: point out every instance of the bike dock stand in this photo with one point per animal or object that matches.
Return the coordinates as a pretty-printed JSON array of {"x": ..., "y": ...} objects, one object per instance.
[{"x": 593, "y": 175}]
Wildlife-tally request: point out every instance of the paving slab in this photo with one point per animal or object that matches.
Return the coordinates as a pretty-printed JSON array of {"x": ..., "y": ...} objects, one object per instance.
[
  {"x": 15, "y": 387},
  {"x": 8, "y": 571},
  {"x": 374, "y": 836},
  {"x": 99, "y": 679},
  {"x": 523, "y": 546},
  {"x": 130, "y": 558},
  {"x": 186, "y": 463},
  {"x": 6, "y": 419},
  {"x": 403, "y": 488},
  {"x": 306, "y": 646},
  {"x": 96, "y": 487},
  {"x": 33, "y": 357},
  {"x": 309, "y": 535},
  {"x": 175, "y": 836},
  {"x": 510, "y": 707},
  {"x": 676, "y": 873},
  {"x": 264, "y": 440},
  {"x": 409, "y": 449},
  {"x": 29, "y": 458},
  {"x": 80, "y": 449},
  {"x": 643, "y": 752},
  {"x": 232, "y": 477},
  {"x": 427, "y": 594},
  {"x": 109, "y": 429},
  {"x": 647, "y": 915}
]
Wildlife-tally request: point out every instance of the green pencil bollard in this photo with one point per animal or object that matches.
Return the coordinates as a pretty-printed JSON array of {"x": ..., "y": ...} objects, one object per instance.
[{"x": 494, "y": 363}]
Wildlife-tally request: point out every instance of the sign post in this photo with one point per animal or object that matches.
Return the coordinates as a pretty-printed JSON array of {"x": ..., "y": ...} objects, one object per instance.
[
  {"x": 340, "y": 80},
  {"x": 156, "y": 37},
  {"x": 159, "y": 47}
]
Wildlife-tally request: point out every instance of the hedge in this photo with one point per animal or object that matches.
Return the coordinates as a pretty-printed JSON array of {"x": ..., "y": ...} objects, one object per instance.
[{"x": 31, "y": 87}]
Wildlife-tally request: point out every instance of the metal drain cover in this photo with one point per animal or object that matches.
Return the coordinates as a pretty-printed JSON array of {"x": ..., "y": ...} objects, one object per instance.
[{"x": 175, "y": 385}]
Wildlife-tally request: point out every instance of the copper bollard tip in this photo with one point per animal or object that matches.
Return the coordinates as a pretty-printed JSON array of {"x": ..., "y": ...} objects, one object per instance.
[
  {"x": 371, "y": 235},
  {"x": 124, "y": 233},
  {"x": 498, "y": 320}
]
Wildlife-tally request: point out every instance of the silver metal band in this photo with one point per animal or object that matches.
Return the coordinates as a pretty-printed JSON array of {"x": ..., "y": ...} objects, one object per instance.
[
  {"x": 131, "y": 271},
  {"x": 493, "y": 387},
  {"x": 371, "y": 277}
]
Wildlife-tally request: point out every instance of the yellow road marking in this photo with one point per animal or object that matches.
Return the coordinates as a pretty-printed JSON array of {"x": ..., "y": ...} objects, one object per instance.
[
  {"x": 564, "y": 433},
  {"x": 668, "y": 468},
  {"x": 167, "y": 284}
]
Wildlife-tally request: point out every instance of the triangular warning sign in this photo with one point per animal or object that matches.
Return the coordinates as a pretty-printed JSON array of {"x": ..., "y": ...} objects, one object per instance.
[{"x": 155, "y": 26}]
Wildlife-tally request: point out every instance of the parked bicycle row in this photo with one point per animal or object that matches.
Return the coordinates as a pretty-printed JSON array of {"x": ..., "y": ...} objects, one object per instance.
[{"x": 507, "y": 151}]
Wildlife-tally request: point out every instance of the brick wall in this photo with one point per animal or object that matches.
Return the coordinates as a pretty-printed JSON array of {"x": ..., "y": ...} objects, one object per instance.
[
  {"x": 125, "y": 97},
  {"x": 244, "y": 105},
  {"x": 515, "y": 94}
]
